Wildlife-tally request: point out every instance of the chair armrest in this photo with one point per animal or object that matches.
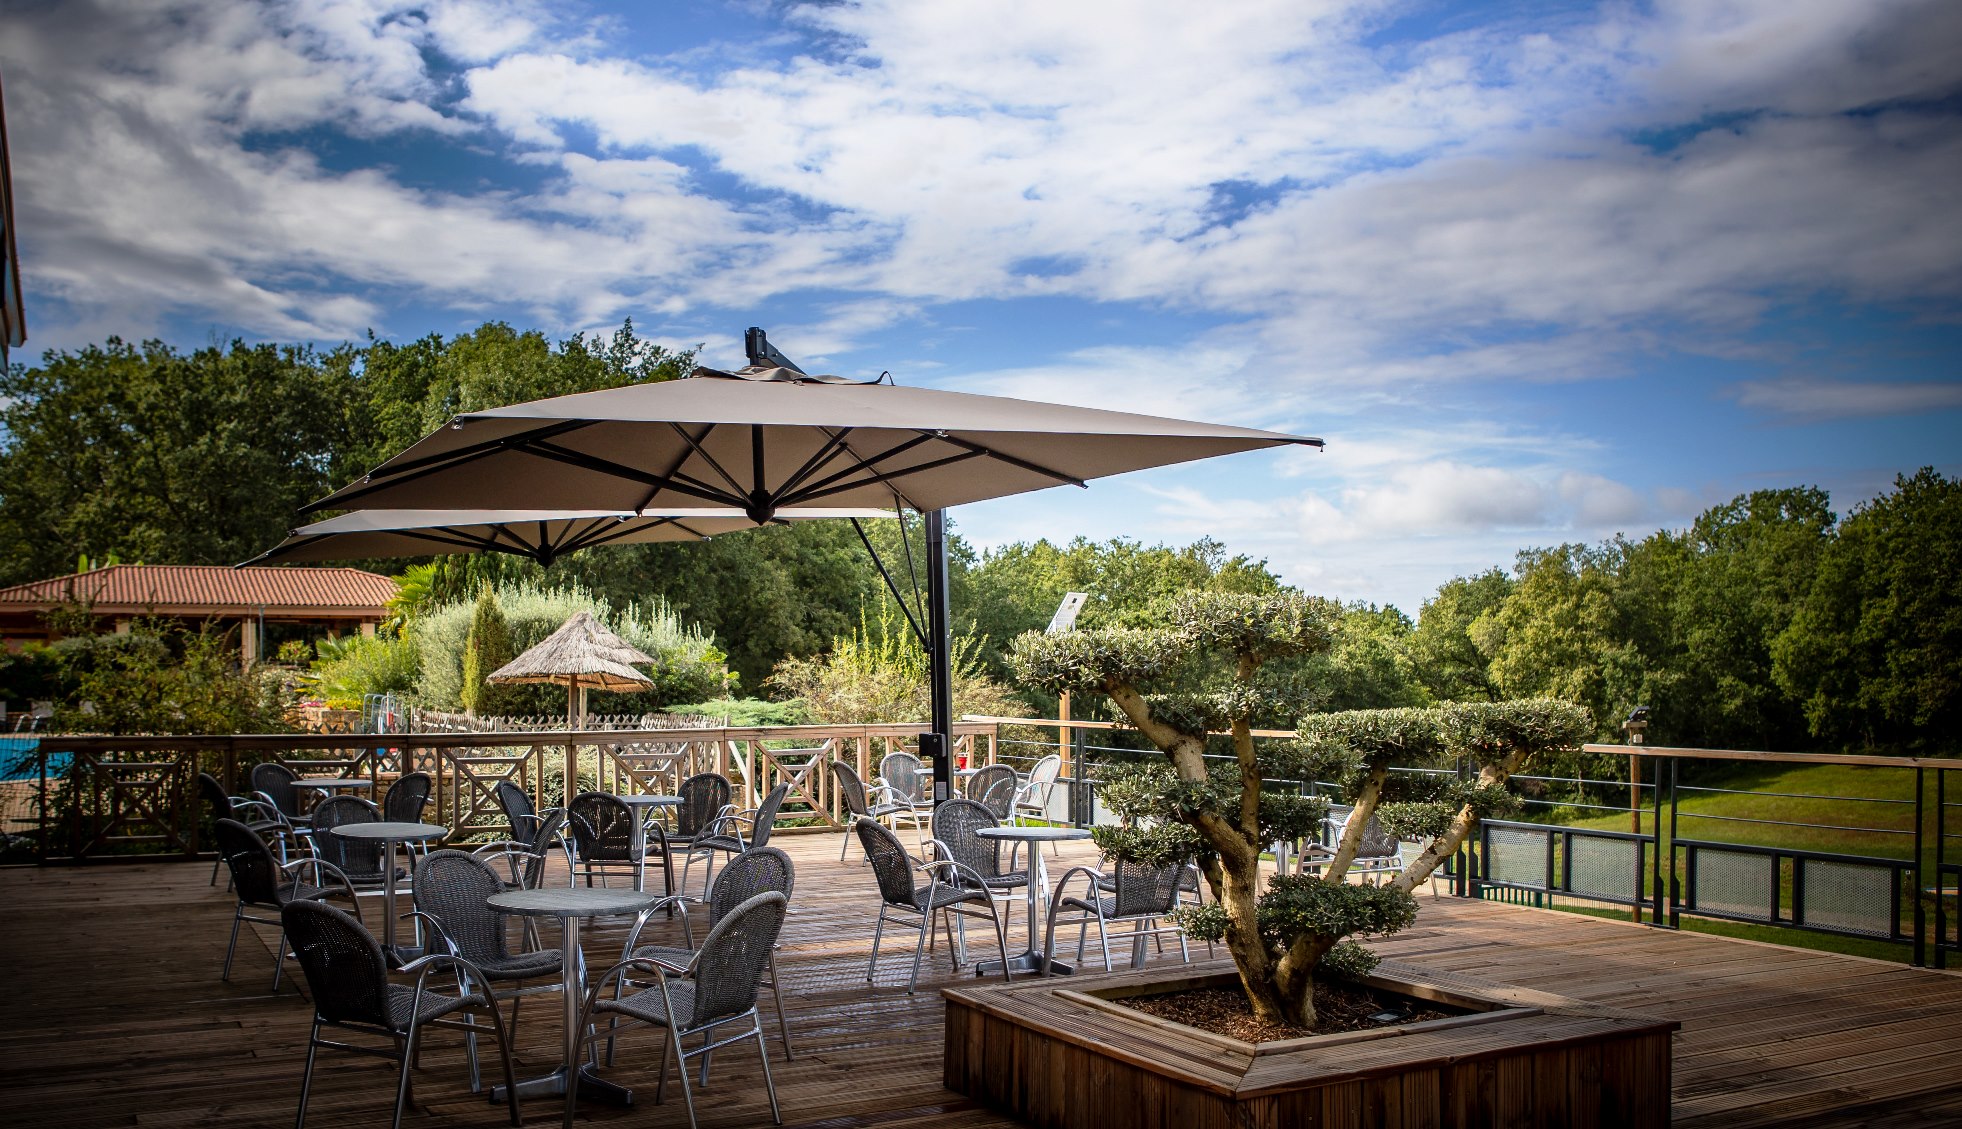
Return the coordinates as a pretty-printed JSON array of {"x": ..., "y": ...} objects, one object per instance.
[
  {"x": 436, "y": 927},
  {"x": 320, "y": 867},
  {"x": 641, "y": 919}
]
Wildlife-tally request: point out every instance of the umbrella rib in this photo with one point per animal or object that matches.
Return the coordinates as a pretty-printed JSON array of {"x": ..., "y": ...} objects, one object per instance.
[
  {"x": 616, "y": 470},
  {"x": 892, "y": 587},
  {"x": 421, "y": 468},
  {"x": 888, "y": 476},
  {"x": 833, "y": 442},
  {"x": 819, "y": 488},
  {"x": 695, "y": 445},
  {"x": 1011, "y": 460},
  {"x": 601, "y": 531}
]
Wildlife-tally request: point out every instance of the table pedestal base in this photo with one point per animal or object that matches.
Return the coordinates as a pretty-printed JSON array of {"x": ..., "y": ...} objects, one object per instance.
[
  {"x": 1029, "y": 961},
  {"x": 591, "y": 1086}
]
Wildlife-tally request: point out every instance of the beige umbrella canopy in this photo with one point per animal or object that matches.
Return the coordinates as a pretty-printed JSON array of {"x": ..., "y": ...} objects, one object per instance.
[{"x": 581, "y": 655}]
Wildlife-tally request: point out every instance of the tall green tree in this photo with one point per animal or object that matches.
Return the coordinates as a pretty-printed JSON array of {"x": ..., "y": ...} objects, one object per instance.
[
  {"x": 160, "y": 456},
  {"x": 1444, "y": 647},
  {"x": 1874, "y": 651},
  {"x": 485, "y": 649}
]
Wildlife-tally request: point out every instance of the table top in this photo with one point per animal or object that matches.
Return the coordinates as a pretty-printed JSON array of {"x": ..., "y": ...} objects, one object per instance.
[
  {"x": 393, "y": 832},
  {"x": 333, "y": 782},
  {"x": 563, "y": 901},
  {"x": 1033, "y": 834},
  {"x": 650, "y": 801}
]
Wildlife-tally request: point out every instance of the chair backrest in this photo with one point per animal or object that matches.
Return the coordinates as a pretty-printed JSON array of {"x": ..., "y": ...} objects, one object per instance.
[
  {"x": 214, "y": 794},
  {"x": 1042, "y": 782},
  {"x": 360, "y": 858},
  {"x": 604, "y": 828},
  {"x": 703, "y": 796},
  {"x": 452, "y": 887},
  {"x": 517, "y": 811},
  {"x": 255, "y": 872},
  {"x": 407, "y": 797},
  {"x": 532, "y": 876},
  {"x": 954, "y": 825},
  {"x": 729, "y": 966},
  {"x": 891, "y": 865},
  {"x": 346, "y": 975},
  {"x": 276, "y": 781},
  {"x": 1376, "y": 842},
  {"x": 903, "y": 771},
  {"x": 993, "y": 788},
  {"x": 753, "y": 872},
  {"x": 1144, "y": 889},
  {"x": 766, "y": 816},
  {"x": 851, "y": 789}
]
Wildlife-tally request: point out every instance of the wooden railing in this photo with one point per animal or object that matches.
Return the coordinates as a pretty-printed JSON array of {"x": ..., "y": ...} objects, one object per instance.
[{"x": 122, "y": 796}]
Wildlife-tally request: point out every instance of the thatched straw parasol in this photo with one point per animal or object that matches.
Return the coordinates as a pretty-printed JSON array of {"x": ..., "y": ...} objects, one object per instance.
[{"x": 583, "y": 656}]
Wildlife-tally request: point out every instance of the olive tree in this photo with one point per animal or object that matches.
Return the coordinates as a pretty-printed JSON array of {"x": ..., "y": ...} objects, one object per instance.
[{"x": 1215, "y": 669}]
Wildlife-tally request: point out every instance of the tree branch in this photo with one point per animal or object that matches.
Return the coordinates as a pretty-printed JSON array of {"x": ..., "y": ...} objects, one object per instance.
[{"x": 1350, "y": 842}]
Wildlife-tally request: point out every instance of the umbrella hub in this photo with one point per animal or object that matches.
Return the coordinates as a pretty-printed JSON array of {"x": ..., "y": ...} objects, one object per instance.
[{"x": 761, "y": 508}]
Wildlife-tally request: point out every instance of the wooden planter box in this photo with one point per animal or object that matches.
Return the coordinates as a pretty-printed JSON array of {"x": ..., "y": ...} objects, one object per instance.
[{"x": 1059, "y": 1055}]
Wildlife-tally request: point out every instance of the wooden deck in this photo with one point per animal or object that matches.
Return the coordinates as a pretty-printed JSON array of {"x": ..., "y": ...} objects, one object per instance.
[{"x": 113, "y": 1014}]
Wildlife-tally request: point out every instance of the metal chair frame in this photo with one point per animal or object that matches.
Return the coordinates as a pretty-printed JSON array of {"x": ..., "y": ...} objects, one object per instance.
[
  {"x": 257, "y": 815},
  {"x": 767, "y": 902},
  {"x": 408, "y": 1039},
  {"x": 858, "y": 805},
  {"x": 445, "y": 935},
  {"x": 593, "y": 858},
  {"x": 724, "y": 835},
  {"x": 1091, "y": 907},
  {"x": 898, "y": 894},
  {"x": 248, "y": 898},
  {"x": 719, "y": 906}
]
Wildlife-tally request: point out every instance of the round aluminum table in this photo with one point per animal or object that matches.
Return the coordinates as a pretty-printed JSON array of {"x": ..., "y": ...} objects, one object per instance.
[
  {"x": 390, "y": 835},
  {"x": 569, "y": 905},
  {"x": 1031, "y": 961}
]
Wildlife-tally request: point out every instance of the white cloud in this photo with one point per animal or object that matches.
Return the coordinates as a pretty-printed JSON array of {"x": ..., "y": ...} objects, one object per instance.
[{"x": 1810, "y": 398}]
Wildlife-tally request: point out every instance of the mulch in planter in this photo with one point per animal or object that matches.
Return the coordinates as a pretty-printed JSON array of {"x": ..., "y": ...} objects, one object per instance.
[{"x": 1339, "y": 1006}]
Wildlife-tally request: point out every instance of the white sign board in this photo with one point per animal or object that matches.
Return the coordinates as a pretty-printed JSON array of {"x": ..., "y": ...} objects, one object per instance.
[{"x": 1067, "y": 611}]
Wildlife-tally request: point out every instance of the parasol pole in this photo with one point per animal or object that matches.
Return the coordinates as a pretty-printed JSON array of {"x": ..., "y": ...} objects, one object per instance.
[
  {"x": 571, "y": 748},
  {"x": 940, "y": 672}
]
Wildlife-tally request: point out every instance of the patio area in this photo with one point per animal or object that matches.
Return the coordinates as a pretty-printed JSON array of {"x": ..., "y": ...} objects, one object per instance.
[{"x": 116, "y": 1016}]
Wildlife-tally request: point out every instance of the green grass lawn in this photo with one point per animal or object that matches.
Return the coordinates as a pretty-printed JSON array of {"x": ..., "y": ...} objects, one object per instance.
[{"x": 1839, "y": 809}]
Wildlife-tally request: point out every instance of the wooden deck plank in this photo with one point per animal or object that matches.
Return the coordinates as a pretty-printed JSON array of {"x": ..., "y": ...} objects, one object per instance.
[{"x": 116, "y": 1016}]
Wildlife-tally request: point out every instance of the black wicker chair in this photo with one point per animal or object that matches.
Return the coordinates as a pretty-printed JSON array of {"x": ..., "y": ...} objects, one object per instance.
[
  {"x": 1139, "y": 894},
  {"x": 260, "y": 816},
  {"x": 956, "y": 893},
  {"x": 407, "y": 797},
  {"x": 607, "y": 836},
  {"x": 724, "y": 836},
  {"x": 994, "y": 788},
  {"x": 360, "y": 859},
  {"x": 954, "y": 825},
  {"x": 744, "y": 876},
  {"x": 851, "y": 790},
  {"x": 724, "y": 981},
  {"x": 347, "y": 977},
  {"x": 908, "y": 786},
  {"x": 273, "y": 783},
  {"x": 451, "y": 889},
  {"x": 704, "y": 799},
  {"x": 263, "y": 882},
  {"x": 517, "y": 809}
]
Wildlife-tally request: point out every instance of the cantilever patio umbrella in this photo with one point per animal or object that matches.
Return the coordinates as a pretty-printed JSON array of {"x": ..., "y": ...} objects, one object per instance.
[
  {"x": 771, "y": 439},
  {"x": 542, "y": 535}
]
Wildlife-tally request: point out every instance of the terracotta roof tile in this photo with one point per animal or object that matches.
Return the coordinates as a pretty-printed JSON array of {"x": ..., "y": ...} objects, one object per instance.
[{"x": 204, "y": 587}]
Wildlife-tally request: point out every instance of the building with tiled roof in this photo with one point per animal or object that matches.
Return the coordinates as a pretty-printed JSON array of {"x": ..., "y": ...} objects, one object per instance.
[{"x": 263, "y": 604}]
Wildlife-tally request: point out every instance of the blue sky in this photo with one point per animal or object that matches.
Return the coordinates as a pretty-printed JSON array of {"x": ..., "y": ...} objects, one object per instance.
[{"x": 1538, "y": 272}]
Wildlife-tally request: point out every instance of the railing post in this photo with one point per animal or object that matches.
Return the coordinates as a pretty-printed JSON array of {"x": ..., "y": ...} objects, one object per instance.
[
  {"x": 1658, "y": 910},
  {"x": 1920, "y": 911}
]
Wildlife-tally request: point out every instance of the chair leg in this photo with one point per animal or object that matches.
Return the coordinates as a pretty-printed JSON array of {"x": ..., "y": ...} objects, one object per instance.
[
  {"x": 1001, "y": 940},
  {"x": 470, "y": 1053},
  {"x": 919, "y": 950},
  {"x": 1103, "y": 938},
  {"x": 306, "y": 1079},
  {"x": 279, "y": 957},
  {"x": 402, "y": 1086},
  {"x": 504, "y": 1036},
  {"x": 687, "y": 1092},
  {"x": 214, "y": 870},
  {"x": 776, "y": 990},
  {"x": 846, "y": 843},
  {"x": 878, "y": 932},
  {"x": 238, "y": 919},
  {"x": 769, "y": 1083}
]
